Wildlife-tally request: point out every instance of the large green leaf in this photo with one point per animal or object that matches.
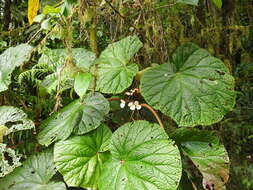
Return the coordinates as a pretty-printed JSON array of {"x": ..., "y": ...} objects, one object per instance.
[
  {"x": 80, "y": 158},
  {"x": 142, "y": 158},
  {"x": 115, "y": 72},
  {"x": 9, "y": 60},
  {"x": 8, "y": 160},
  {"x": 15, "y": 119},
  {"x": 80, "y": 117},
  {"x": 195, "y": 88},
  {"x": 207, "y": 153},
  {"x": 35, "y": 174}
]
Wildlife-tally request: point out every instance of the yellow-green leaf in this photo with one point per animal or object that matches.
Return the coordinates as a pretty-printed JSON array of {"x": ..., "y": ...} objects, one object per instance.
[
  {"x": 218, "y": 3},
  {"x": 33, "y": 7},
  {"x": 3, "y": 129}
]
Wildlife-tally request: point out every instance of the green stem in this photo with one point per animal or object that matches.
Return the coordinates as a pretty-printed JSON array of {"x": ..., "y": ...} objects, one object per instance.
[{"x": 93, "y": 38}]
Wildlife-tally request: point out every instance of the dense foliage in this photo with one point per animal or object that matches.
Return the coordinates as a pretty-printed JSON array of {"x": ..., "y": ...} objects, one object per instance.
[{"x": 126, "y": 94}]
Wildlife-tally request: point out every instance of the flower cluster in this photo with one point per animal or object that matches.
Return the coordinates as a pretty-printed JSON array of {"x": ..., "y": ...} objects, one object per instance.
[
  {"x": 131, "y": 92},
  {"x": 132, "y": 105}
]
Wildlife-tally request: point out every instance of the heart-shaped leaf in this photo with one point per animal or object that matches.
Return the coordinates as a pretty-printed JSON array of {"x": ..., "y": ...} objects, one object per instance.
[
  {"x": 80, "y": 158},
  {"x": 35, "y": 174},
  {"x": 142, "y": 158},
  {"x": 115, "y": 72},
  {"x": 195, "y": 88},
  {"x": 207, "y": 153},
  {"x": 80, "y": 117},
  {"x": 9, "y": 60}
]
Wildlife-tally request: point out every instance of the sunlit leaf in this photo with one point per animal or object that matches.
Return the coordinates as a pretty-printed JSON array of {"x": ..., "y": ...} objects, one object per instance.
[
  {"x": 142, "y": 158},
  {"x": 51, "y": 10},
  {"x": 218, "y": 3},
  {"x": 3, "y": 130},
  {"x": 80, "y": 158},
  {"x": 82, "y": 82}
]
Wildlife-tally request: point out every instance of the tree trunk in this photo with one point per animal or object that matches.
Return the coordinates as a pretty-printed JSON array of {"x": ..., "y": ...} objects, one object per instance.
[
  {"x": 7, "y": 15},
  {"x": 228, "y": 7}
]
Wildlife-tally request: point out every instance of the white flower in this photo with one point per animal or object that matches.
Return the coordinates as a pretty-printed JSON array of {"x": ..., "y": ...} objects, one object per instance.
[
  {"x": 131, "y": 105},
  {"x": 131, "y": 92},
  {"x": 122, "y": 104},
  {"x": 134, "y": 105},
  {"x": 137, "y": 105}
]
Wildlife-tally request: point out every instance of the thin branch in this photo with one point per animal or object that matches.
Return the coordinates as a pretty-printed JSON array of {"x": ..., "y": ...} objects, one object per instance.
[
  {"x": 29, "y": 41},
  {"x": 115, "y": 10},
  {"x": 115, "y": 99},
  {"x": 154, "y": 113},
  {"x": 164, "y": 6}
]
